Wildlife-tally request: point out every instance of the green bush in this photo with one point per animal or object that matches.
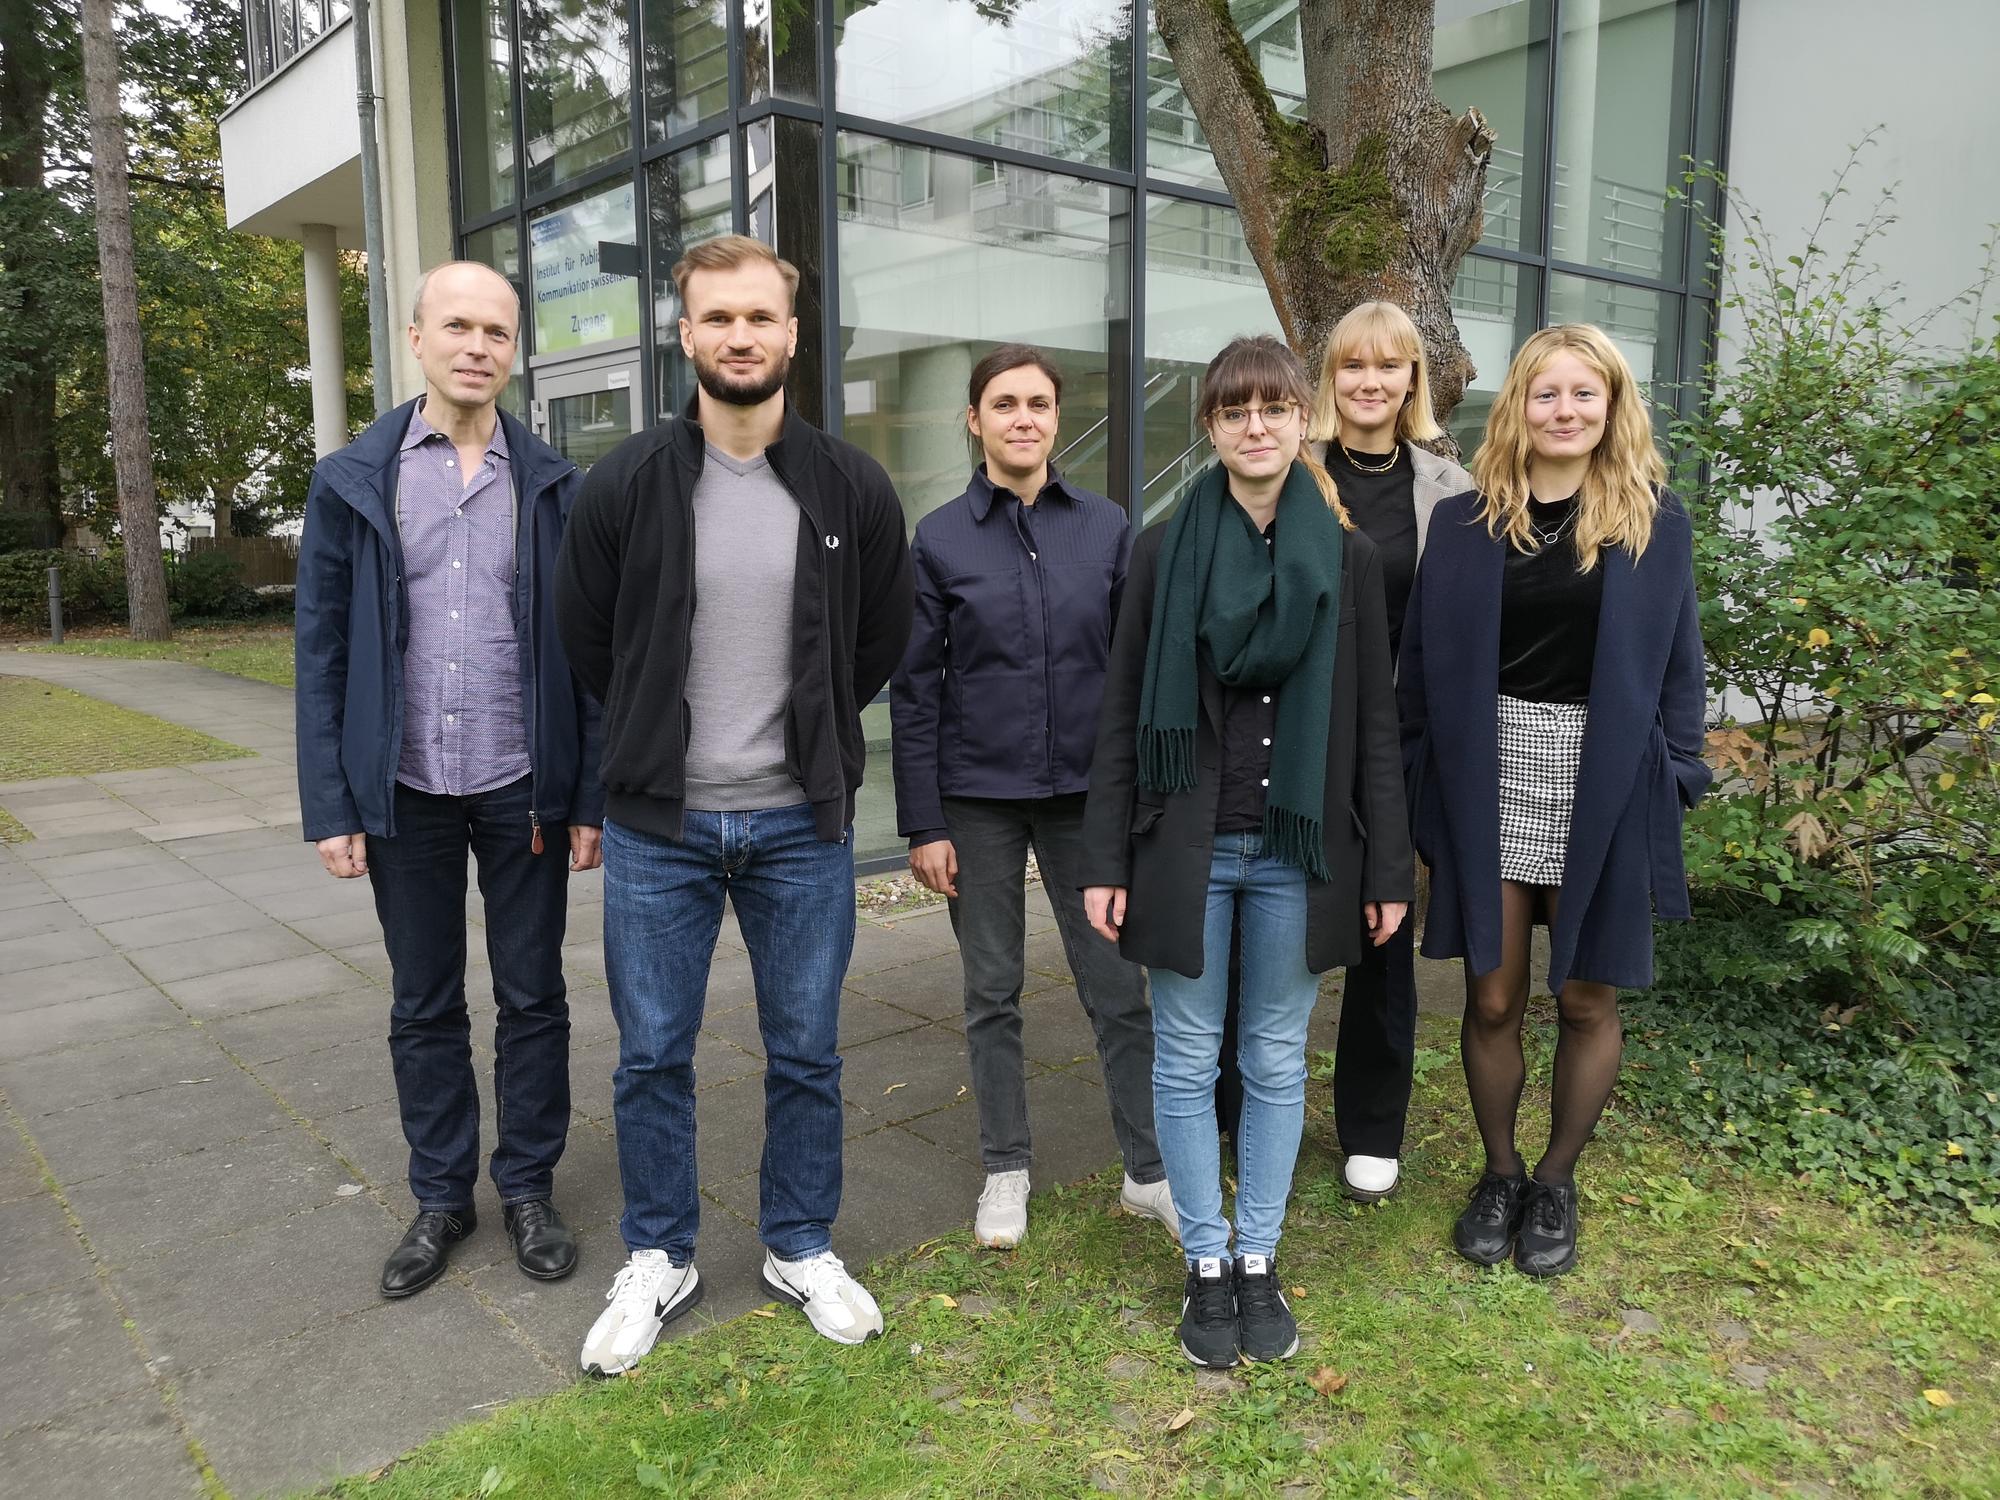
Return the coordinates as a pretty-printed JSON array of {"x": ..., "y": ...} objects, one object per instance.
[
  {"x": 93, "y": 588},
  {"x": 1849, "y": 476},
  {"x": 1733, "y": 1052},
  {"x": 210, "y": 584}
]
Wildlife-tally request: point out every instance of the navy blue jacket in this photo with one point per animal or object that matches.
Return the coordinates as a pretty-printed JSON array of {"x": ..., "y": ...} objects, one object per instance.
[
  {"x": 998, "y": 692},
  {"x": 1641, "y": 764},
  {"x": 353, "y": 626}
]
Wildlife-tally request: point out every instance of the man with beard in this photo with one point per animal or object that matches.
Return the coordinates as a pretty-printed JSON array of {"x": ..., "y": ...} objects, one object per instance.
[{"x": 735, "y": 586}]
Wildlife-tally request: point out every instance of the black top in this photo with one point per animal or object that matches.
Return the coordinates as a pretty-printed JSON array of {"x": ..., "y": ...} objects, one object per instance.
[
  {"x": 1548, "y": 612},
  {"x": 1384, "y": 507},
  {"x": 1249, "y": 718}
]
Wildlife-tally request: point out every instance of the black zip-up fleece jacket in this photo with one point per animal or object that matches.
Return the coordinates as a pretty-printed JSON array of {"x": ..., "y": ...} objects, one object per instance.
[{"x": 625, "y": 604}]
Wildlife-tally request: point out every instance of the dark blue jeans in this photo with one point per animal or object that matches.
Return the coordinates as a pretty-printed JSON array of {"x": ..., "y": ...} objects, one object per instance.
[
  {"x": 419, "y": 881},
  {"x": 794, "y": 900}
]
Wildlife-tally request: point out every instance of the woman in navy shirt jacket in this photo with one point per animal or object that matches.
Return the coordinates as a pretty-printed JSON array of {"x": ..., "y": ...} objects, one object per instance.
[
  {"x": 995, "y": 717},
  {"x": 1552, "y": 694}
]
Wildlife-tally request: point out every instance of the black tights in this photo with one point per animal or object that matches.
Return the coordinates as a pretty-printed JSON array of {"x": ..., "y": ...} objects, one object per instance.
[{"x": 1589, "y": 1044}]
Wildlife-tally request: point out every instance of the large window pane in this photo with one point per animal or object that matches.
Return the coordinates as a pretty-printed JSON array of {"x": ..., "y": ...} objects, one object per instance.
[
  {"x": 685, "y": 50},
  {"x": 1048, "y": 76},
  {"x": 1624, "y": 100},
  {"x": 781, "y": 163},
  {"x": 687, "y": 201},
  {"x": 991, "y": 254},
  {"x": 576, "y": 302},
  {"x": 780, "y": 50},
  {"x": 576, "y": 86},
  {"x": 1202, "y": 290},
  {"x": 484, "y": 61},
  {"x": 1176, "y": 149},
  {"x": 1493, "y": 56},
  {"x": 1495, "y": 304},
  {"x": 500, "y": 248},
  {"x": 1644, "y": 325}
]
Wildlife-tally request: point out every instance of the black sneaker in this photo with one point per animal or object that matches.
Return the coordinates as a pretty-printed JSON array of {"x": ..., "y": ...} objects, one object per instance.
[
  {"x": 1547, "y": 1243},
  {"x": 1485, "y": 1231},
  {"x": 1264, "y": 1321},
  {"x": 1208, "y": 1314}
]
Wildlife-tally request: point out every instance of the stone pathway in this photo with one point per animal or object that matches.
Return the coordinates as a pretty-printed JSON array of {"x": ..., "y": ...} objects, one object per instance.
[{"x": 201, "y": 1165}]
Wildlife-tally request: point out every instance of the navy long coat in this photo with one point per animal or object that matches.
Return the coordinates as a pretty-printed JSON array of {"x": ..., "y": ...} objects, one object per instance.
[{"x": 1641, "y": 766}]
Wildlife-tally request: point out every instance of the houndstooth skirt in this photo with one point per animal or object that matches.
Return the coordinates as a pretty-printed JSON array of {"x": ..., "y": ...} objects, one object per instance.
[{"x": 1541, "y": 745}]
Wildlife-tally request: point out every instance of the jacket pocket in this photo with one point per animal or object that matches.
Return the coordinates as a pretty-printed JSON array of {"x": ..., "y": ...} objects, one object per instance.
[
  {"x": 1360, "y": 828},
  {"x": 1145, "y": 815}
]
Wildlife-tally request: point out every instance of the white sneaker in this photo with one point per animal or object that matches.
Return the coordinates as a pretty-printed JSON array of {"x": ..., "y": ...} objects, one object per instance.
[
  {"x": 645, "y": 1296},
  {"x": 838, "y": 1305},
  {"x": 1371, "y": 1177},
  {"x": 1151, "y": 1200},
  {"x": 1003, "y": 1211}
]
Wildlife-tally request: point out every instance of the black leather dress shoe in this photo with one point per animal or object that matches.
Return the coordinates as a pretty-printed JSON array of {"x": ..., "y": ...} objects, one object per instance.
[
  {"x": 1485, "y": 1231},
  {"x": 543, "y": 1244},
  {"x": 1546, "y": 1245},
  {"x": 420, "y": 1258}
]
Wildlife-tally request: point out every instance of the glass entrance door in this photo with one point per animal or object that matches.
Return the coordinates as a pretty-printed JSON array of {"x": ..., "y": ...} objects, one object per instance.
[{"x": 585, "y": 411}]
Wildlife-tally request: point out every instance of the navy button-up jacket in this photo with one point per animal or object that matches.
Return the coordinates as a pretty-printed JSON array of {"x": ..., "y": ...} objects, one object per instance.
[{"x": 999, "y": 690}]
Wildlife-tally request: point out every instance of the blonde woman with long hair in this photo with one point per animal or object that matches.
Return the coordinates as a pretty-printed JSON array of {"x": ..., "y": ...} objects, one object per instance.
[{"x": 1551, "y": 692}]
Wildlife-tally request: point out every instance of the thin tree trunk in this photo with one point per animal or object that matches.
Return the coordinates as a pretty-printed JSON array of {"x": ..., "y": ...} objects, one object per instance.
[
  {"x": 131, "y": 444},
  {"x": 1376, "y": 193}
]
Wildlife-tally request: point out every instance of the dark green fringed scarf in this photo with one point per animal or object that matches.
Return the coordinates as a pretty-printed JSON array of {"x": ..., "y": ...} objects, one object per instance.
[{"x": 1267, "y": 617}]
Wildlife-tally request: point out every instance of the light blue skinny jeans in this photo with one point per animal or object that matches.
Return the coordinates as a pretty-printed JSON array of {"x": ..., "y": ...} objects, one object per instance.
[{"x": 1269, "y": 899}]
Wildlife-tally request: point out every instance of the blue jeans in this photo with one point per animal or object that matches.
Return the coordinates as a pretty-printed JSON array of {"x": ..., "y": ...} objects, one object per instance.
[
  {"x": 1268, "y": 899},
  {"x": 794, "y": 900},
  {"x": 419, "y": 882}
]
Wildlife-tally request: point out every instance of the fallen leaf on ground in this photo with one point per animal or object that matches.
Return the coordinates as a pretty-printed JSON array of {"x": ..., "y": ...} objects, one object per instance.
[
  {"x": 892, "y": 1089},
  {"x": 1631, "y": 1199},
  {"x": 961, "y": 1092},
  {"x": 948, "y": 1301},
  {"x": 1180, "y": 1419},
  {"x": 1717, "y": 1412},
  {"x": 763, "y": 1312},
  {"x": 1327, "y": 1380},
  {"x": 1937, "y": 1397},
  {"x": 1298, "y": 1291}
]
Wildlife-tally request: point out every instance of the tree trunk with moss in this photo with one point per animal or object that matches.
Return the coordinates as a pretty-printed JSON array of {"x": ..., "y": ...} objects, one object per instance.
[
  {"x": 124, "y": 351},
  {"x": 1376, "y": 193}
]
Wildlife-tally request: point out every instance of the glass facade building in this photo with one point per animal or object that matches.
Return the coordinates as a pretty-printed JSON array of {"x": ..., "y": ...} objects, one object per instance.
[{"x": 949, "y": 175}]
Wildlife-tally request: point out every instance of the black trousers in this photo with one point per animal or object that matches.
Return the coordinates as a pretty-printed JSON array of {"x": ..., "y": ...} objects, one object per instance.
[{"x": 1374, "y": 1054}]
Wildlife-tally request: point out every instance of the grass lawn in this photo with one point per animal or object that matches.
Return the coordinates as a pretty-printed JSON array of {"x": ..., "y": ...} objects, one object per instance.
[
  {"x": 12, "y": 830},
  {"x": 50, "y": 731},
  {"x": 1726, "y": 1335},
  {"x": 262, "y": 652}
]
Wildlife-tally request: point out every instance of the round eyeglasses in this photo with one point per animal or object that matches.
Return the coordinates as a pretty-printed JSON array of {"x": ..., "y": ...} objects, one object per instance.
[{"x": 1275, "y": 415}]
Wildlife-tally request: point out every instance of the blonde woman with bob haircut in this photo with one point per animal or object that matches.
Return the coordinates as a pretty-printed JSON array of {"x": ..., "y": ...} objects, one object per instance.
[
  {"x": 1551, "y": 693},
  {"x": 1246, "y": 778},
  {"x": 1371, "y": 415}
]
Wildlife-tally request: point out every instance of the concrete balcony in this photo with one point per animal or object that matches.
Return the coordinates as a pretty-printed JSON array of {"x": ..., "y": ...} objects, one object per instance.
[{"x": 291, "y": 147}]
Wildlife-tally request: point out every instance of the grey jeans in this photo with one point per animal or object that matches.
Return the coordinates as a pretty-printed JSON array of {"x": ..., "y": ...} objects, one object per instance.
[{"x": 992, "y": 838}]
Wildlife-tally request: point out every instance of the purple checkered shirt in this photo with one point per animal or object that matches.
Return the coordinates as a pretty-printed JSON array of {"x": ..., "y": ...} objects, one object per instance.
[{"x": 464, "y": 729}]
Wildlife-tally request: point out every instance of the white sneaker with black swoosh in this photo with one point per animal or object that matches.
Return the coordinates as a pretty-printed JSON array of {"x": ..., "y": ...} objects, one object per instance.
[
  {"x": 838, "y": 1305},
  {"x": 647, "y": 1294}
]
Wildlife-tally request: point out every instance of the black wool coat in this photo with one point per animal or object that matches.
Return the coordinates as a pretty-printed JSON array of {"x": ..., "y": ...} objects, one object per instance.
[
  {"x": 1641, "y": 765},
  {"x": 1160, "y": 846}
]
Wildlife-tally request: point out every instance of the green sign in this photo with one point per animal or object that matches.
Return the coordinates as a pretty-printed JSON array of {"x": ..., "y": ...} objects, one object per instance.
[{"x": 576, "y": 302}]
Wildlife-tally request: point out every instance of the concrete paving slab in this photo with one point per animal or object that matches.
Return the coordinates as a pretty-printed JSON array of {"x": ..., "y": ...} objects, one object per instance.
[
  {"x": 590, "y": 1018},
  {"x": 94, "y": 1140},
  {"x": 262, "y": 985},
  {"x": 718, "y": 1062},
  {"x": 212, "y": 1301},
  {"x": 134, "y": 933},
  {"x": 138, "y": 875},
  {"x": 1055, "y": 1031},
  {"x": 19, "y": 920},
  {"x": 906, "y": 941},
  {"x": 322, "y": 1084},
  {"x": 166, "y": 1206},
  {"x": 113, "y": 1069},
  {"x": 126, "y": 1446},
  {"x": 590, "y": 1078},
  {"x": 341, "y": 929},
  {"x": 932, "y": 987},
  {"x": 38, "y": 1250},
  {"x": 213, "y": 952},
  {"x": 862, "y": 1020},
  {"x": 325, "y": 897},
  {"x": 94, "y": 861},
  {"x": 211, "y": 846},
  {"x": 367, "y": 958},
  {"x": 189, "y": 828},
  {"x": 65, "y": 1349},
  {"x": 20, "y": 1173},
  {"x": 926, "y": 1068},
  {"x": 299, "y": 876},
  {"x": 189, "y": 892},
  {"x": 264, "y": 1036},
  {"x": 729, "y": 1130},
  {"x": 40, "y": 1030},
  {"x": 370, "y": 1139},
  {"x": 272, "y": 853},
  {"x": 44, "y": 848},
  {"x": 353, "y": 1394},
  {"x": 79, "y": 979}
]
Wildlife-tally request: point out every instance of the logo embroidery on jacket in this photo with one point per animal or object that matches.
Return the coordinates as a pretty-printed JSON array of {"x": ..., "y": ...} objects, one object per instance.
[{"x": 832, "y": 542}]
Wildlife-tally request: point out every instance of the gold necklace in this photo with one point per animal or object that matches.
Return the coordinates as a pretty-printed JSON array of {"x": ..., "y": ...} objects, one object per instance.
[{"x": 1395, "y": 455}]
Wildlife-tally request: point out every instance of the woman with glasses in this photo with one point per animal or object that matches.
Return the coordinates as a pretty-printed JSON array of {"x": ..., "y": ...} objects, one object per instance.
[
  {"x": 995, "y": 714},
  {"x": 1552, "y": 699},
  {"x": 1246, "y": 773}
]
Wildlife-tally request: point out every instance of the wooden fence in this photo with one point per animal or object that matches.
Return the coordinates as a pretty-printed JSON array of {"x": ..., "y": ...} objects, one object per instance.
[{"x": 263, "y": 559}]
